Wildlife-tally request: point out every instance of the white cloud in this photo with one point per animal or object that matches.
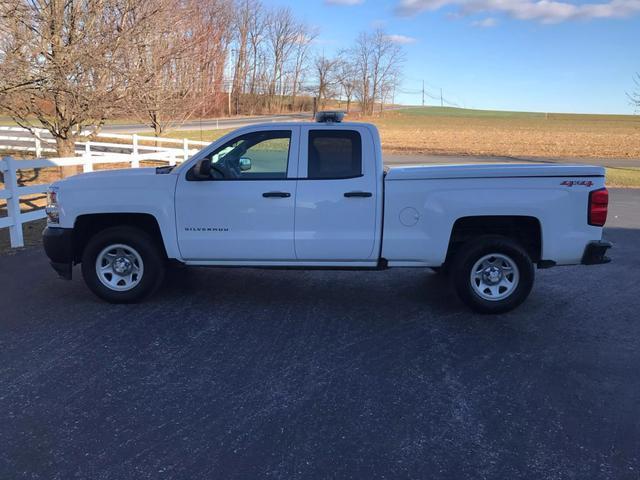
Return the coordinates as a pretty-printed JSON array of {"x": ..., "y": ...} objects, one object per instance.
[
  {"x": 485, "y": 22},
  {"x": 401, "y": 39},
  {"x": 343, "y": 2},
  {"x": 544, "y": 11}
]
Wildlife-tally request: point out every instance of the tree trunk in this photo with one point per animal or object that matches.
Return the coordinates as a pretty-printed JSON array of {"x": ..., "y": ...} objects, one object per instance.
[{"x": 66, "y": 147}]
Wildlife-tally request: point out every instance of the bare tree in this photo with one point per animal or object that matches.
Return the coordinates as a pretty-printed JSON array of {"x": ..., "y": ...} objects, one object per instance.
[
  {"x": 243, "y": 20},
  {"x": 377, "y": 62},
  {"x": 256, "y": 34},
  {"x": 361, "y": 55},
  {"x": 282, "y": 33},
  {"x": 326, "y": 77},
  {"x": 61, "y": 62},
  {"x": 346, "y": 78},
  {"x": 214, "y": 17},
  {"x": 305, "y": 37},
  {"x": 167, "y": 63},
  {"x": 634, "y": 97}
]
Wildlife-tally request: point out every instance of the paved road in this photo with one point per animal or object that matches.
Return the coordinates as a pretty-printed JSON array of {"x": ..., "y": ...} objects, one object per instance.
[{"x": 266, "y": 374}]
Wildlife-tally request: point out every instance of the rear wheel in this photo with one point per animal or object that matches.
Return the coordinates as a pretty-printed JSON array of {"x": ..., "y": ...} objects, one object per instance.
[
  {"x": 122, "y": 264},
  {"x": 492, "y": 274}
]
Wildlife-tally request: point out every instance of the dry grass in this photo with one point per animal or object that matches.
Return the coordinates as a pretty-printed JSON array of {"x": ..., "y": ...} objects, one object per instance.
[
  {"x": 452, "y": 131},
  {"x": 623, "y": 177}
]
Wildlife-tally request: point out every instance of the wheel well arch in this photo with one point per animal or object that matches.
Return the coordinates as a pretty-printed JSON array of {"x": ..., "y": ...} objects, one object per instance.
[
  {"x": 526, "y": 230},
  {"x": 86, "y": 226}
]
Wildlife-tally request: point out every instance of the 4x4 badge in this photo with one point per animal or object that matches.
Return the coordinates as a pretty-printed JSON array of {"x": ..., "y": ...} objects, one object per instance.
[{"x": 571, "y": 183}]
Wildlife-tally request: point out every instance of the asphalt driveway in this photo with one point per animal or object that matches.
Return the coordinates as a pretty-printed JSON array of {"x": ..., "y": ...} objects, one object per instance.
[{"x": 289, "y": 374}]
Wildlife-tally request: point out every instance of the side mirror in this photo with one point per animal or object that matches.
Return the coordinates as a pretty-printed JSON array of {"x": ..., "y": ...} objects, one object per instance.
[
  {"x": 245, "y": 164},
  {"x": 202, "y": 170}
]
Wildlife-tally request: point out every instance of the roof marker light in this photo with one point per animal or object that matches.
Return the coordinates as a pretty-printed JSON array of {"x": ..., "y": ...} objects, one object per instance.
[{"x": 329, "y": 117}]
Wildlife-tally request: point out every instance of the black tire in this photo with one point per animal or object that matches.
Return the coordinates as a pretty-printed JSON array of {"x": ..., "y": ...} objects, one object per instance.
[
  {"x": 475, "y": 250},
  {"x": 137, "y": 241}
]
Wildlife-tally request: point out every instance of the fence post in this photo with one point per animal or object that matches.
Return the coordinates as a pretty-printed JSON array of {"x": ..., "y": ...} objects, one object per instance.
[
  {"x": 185, "y": 148},
  {"x": 88, "y": 161},
  {"x": 13, "y": 203},
  {"x": 36, "y": 139},
  {"x": 135, "y": 161}
]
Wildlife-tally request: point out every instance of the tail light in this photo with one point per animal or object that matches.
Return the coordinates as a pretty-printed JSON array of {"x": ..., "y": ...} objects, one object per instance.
[{"x": 598, "y": 204}]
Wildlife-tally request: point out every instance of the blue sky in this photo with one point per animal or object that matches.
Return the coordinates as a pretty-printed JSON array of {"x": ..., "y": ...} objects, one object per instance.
[{"x": 556, "y": 56}]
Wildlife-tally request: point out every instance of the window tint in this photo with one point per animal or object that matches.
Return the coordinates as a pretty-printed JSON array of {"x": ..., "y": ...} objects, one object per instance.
[
  {"x": 257, "y": 155},
  {"x": 334, "y": 154}
]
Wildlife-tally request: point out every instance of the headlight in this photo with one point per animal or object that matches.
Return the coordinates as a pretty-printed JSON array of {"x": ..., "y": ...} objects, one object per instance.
[{"x": 52, "y": 211}]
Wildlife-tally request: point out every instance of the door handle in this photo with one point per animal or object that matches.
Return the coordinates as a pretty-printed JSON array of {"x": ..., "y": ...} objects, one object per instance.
[
  {"x": 276, "y": 194},
  {"x": 358, "y": 194}
]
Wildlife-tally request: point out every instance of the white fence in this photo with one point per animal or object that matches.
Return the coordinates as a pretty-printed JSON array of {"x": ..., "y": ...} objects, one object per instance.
[
  {"x": 92, "y": 153},
  {"x": 40, "y": 142}
]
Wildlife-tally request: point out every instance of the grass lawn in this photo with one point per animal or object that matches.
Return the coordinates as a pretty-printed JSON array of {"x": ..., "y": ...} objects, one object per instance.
[{"x": 623, "y": 177}]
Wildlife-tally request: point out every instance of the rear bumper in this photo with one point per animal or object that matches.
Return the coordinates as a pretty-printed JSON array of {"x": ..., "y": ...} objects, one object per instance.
[
  {"x": 594, "y": 253},
  {"x": 59, "y": 248}
]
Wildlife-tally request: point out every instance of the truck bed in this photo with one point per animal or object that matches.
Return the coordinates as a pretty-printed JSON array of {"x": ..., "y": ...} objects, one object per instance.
[{"x": 423, "y": 203}]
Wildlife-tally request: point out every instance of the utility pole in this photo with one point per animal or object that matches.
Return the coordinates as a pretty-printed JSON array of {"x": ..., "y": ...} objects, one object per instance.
[
  {"x": 441, "y": 100},
  {"x": 423, "y": 93}
]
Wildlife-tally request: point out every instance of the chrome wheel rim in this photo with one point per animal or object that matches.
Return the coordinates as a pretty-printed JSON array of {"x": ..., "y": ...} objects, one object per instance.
[
  {"x": 119, "y": 267},
  {"x": 494, "y": 277}
]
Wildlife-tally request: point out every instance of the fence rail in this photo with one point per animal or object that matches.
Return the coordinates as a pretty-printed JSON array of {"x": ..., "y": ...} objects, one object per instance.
[{"x": 40, "y": 141}]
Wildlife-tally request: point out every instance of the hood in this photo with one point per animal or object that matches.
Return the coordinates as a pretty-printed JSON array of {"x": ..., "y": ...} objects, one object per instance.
[
  {"x": 138, "y": 178},
  {"x": 119, "y": 172}
]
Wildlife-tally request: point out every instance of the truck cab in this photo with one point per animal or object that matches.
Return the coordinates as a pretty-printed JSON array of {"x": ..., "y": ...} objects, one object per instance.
[{"x": 283, "y": 195}]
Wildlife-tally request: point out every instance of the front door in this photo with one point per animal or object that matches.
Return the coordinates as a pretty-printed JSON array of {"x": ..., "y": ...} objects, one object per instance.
[
  {"x": 245, "y": 210},
  {"x": 337, "y": 195}
]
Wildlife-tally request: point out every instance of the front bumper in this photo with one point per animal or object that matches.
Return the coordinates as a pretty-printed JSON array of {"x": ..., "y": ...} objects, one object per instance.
[
  {"x": 594, "y": 253},
  {"x": 58, "y": 245}
]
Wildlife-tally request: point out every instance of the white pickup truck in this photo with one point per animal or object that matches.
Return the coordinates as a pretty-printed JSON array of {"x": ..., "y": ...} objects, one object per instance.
[{"x": 316, "y": 195}]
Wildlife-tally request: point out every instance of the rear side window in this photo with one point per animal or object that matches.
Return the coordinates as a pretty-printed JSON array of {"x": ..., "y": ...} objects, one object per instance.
[{"x": 334, "y": 154}]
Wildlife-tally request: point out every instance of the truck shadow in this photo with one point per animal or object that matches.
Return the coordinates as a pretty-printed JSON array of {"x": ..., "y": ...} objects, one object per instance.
[
  {"x": 267, "y": 287},
  {"x": 395, "y": 292}
]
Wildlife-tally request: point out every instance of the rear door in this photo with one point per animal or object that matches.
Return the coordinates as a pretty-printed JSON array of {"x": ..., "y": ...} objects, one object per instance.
[{"x": 336, "y": 198}]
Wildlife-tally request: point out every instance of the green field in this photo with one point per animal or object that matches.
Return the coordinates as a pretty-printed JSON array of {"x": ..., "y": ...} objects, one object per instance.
[
  {"x": 623, "y": 177},
  {"x": 471, "y": 113}
]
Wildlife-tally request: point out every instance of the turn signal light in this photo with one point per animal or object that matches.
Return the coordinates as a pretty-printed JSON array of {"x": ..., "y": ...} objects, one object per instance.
[{"x": 598, "y": 205}]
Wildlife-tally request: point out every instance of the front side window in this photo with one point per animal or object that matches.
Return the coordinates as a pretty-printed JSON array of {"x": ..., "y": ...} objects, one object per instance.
[
  {"x": 334, "y": 154},
  {"x": 254, "y": 156}
]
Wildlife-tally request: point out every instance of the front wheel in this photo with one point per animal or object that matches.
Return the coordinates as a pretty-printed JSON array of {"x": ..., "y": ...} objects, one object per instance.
[
  {"x": 492, "y": 274},
  {"x": 122, "y": 265}
]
